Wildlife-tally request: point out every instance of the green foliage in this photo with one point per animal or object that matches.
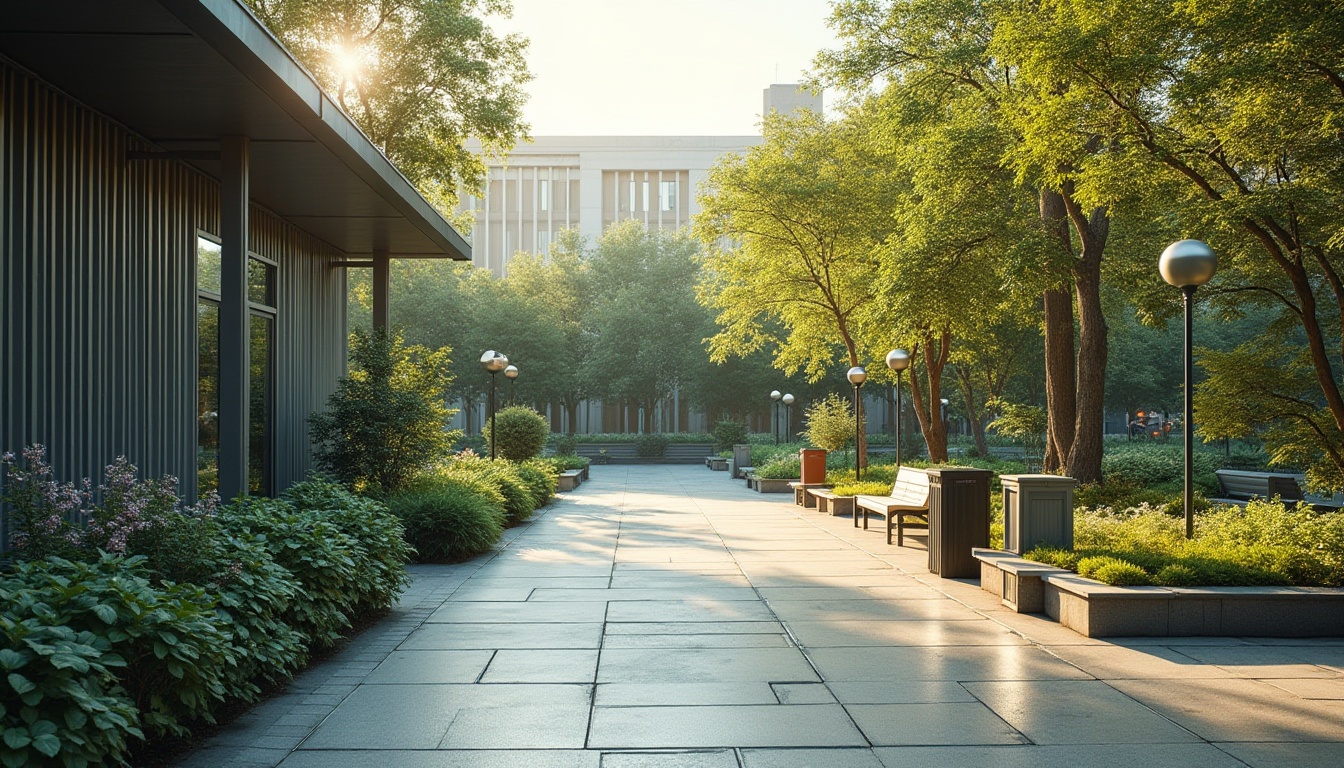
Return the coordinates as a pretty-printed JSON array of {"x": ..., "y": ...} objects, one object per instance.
[
  {"x": 541, "y": 478},
  {"x": 727, "y": 433},
  {"x": 650, "y": 446},
  {"x": 565, "y": 445},
  {"x": 315, "y": 551},
  {"x": 865, "y": 488},
  {"x": 1118, "y": 573},
  {"x": 449, "y": 520},
  {"x": 172, "y": 653},
  {"x": 419, "y": 78},
  {"x": 1024, "y": 422},
  {"x": 378, "y": 544},
  {"x": 519, "y": 432},
  {"x": 386, "y": 420},
  {"x": 781, "y": 468},
  {"x": 830, "y": 423},
  {"x": 564, "y": 461},
  {"x": 1147, "y": 465},
  {"x": 503, "y": 477}
]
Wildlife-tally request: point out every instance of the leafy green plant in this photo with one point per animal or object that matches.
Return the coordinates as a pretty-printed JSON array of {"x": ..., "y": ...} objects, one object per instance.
[
  {"x": 319, "y": 555},
  {"x": 782, "y": 468},
  {"x": 519, "y": 501},
  {"x": 728, "y": 433},
  {"x": 1119, "y": 573},
  {"x": 865, "y": 488},
  {"x": 449, "y": 520},
  {"x": 385, "y": 422},
  {"x": 1022, "y": 422},
  {"x": 830, "y": 423},
  {"x": 565, "y": 445},
  {"x": 379, "y": 546},
  {"x": 519, "y": 433},
  {"x": 651, "y": 446},
  {"x": 561, "y": 462},
  {"x": 1149, "y": 465},
  {"x": 541, "y": 477}
]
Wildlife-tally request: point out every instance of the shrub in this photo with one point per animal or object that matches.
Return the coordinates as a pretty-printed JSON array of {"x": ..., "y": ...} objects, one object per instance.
[
  {"x": 385, "y": 422},
  {"x": 379, "y": 545},
  {"x": 171, "y": 651},
  {"x": 519, "y": 433},
  {"x": 1148, "y": 465},
  {"x": 319, "y": 555},
  {"x": 562, "y": 462},
  {"x": 830, "y": 423},
  {"x": 782, "y": 468},
  {"x": 542, "y": 478},
  {"x": 1119, "y": 573},
  {"x": 651, "y": 446},
  {"x": 566, "y": 445},
  {"x": 1177, "y": 575},
  {"x": 449, "y": 520},
  {"x": 728, "y": 433},
  {"x": 865, "y": 488},
  {"x": 519, "y": 502}
]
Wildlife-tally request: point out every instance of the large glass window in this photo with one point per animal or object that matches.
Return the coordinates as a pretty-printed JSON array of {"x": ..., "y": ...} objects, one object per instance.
[
  {"x": 544, "y": 196},
  {"x": 261, "y": 329},
  {"x": 667, "y": 196},
  {"x": 207, "y": 396}
]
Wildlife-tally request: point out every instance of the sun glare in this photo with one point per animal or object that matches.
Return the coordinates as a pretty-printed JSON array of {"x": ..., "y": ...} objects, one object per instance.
[{"x": 348, "y": 62}]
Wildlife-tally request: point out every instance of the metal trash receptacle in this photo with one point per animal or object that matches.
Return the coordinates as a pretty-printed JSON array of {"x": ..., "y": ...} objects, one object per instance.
[
  {"x": 1037, "y": 511},
  {"x": 958, "y": 520},
  {"x": 741, "y": 458}
]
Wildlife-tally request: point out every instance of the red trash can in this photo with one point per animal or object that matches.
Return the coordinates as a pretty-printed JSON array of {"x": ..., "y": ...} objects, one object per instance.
[{"x": 814, "y": 465}]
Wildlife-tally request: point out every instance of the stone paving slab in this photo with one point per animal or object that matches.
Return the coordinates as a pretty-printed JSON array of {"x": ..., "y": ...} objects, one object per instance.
[{"x": 666, "y": 616}]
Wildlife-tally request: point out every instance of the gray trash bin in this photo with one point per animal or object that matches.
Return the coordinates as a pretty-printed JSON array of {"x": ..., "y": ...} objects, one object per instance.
[
  {"x": 958, "y": 520},
  {"x": 741, "y": 458},
  {"x": 1037, "y": 510}
]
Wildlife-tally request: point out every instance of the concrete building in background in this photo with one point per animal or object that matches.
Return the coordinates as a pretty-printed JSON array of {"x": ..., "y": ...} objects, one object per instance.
[{"x": 590, "y": 182}]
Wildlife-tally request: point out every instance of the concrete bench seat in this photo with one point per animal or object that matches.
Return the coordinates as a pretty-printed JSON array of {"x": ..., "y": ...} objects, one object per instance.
[
  {"x": 570, "y": 479},
  {"x": 1239, "y": 487},
  {"x": 800, "y": 496},
  {"x": 909, "y": 498},
  {"x": 829, "y": 503}
]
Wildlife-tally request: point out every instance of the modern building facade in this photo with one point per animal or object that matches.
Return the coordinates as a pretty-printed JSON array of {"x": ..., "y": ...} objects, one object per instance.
[{"x": 179, "y": 204}]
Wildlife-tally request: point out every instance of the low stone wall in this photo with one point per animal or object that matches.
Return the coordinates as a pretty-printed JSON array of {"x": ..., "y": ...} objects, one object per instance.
[{"x": 1094, "y": 609}]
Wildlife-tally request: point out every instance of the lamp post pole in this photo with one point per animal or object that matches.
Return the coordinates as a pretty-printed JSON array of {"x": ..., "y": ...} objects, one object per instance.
[
  {"x": 775, "y": 395},
  {"x": 788, "y": 417},
  {"x": 493, "y": 362},
  {"x": 1188, "y": 264},
  {"x": 857, "y": 375},
  {"x": 898, "y": 360},
  {"x": 511, "y": 373}
]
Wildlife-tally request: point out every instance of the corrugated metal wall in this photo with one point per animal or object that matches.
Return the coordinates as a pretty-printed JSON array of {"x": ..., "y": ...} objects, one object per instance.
[{"x": 98, "y": 297}]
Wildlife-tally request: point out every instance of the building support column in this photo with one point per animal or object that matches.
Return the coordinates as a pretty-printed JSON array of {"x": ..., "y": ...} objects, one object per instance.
[
  {"x": 234, "y": 336},
  {"x": 382, "y": 312}
]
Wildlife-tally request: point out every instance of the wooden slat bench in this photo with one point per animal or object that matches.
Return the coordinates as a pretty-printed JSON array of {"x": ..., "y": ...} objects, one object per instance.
[
  {"x": 827, "y": 502},
  {"x": 909, "y": 498},
  {"x": 1239, "y": 487}
]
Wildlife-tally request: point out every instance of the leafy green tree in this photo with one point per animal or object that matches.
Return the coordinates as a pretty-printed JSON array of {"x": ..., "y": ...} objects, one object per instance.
[
  {"x": 518, "y": 432},
  {"x": 645, "y": 323},
  {"x": 386, "y": 421},
  {"x": 420, "y": 77},
  {"x": 830, "y": 423},
  {"x": 794, "y": 226}
]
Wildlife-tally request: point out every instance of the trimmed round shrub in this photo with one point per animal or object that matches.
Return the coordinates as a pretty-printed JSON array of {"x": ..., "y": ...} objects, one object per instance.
[
  {"x": 728, "y": 433},
  {"x": 566, "y": 445},
  {"x": 1119, "y": 573},
  {"x": 1177, "y": 575},
  {"x": 450, "y": 520},
  {"x": 519, "y": 434},
  {"x": 651, "y": 446}
]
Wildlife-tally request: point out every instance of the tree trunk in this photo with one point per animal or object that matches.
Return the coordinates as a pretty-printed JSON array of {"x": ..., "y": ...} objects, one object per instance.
[
  {"x": 571, "y": 405},
  {"x": 1060, "y": 382},
  {"x": 974, "y": 414},
  {"x": 1084, "y": 459},
  {"x": 930, "y": 411}
]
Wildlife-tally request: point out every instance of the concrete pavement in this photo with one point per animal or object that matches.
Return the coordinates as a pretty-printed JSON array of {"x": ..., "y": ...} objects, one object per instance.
[{"x": 665, "y": 616}]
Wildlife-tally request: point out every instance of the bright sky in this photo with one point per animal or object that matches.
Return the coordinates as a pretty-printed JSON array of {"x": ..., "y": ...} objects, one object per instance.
[{"x": 662, "y": 67}]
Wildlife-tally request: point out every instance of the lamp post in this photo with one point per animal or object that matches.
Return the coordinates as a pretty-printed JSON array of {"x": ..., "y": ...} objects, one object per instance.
[
  {"x": 788, "y": 419},
  {"x": 775, "y": 395},
  {"x": 1188, "y": 264},
  {"x": 898, "y": 360},
  {"x": 493, "y": 362},
  {"x": 857, "y": 376},
  {"x": 511, "y": 373}
]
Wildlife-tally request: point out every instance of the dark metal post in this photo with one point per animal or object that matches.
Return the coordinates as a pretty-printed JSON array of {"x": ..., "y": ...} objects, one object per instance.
[
  {"x": 898, "y": 419},
  {"x": 234, "y": 337},
  {"x": 492, "y": 415},
  {"x": 381, "y": 310},
  {"x": 1189, "y": 293},
  {"x": 774, "y": 420},
  {"x": 858, "y": 427},
  {"x": 788, "y": 422}
]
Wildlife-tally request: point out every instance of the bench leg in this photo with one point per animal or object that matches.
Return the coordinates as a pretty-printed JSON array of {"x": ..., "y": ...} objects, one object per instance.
[
  {"x": 900, "y": 531},
  {"x": 889, "y": 524}
]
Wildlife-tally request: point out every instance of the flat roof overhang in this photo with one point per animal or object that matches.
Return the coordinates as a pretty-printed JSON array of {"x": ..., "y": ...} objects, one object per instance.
[{"x": 184, "y": 73}]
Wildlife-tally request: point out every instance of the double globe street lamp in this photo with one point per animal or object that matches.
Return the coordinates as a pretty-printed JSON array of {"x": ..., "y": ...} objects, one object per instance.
[
  {"x": 898, "y": 360},
  {"x": 1188, "y": 264},
  {"x": 857, "y": 376},
  {"x": 493, "y": 362},
  {"x": 788, "y": 417},
  {"x": 775, "y": 395}
]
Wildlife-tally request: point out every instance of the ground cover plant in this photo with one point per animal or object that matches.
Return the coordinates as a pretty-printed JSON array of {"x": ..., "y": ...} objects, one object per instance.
[
  {"x": 1264, "y": 543},
  {"x": 129, "y": 616}
]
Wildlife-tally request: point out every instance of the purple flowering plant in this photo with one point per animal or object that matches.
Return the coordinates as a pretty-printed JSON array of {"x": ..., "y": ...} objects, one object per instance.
[{"x": 74, "y": 520}]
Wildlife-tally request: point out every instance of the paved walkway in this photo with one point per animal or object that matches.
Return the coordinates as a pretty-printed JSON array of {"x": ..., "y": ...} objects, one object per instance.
[{"x": 666, "y": 616}]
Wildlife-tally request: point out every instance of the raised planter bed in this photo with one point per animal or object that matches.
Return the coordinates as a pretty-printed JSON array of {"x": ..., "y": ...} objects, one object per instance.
[
  {"x": 1094, "y": 609},
  {"x": 770, "y": 485}
]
